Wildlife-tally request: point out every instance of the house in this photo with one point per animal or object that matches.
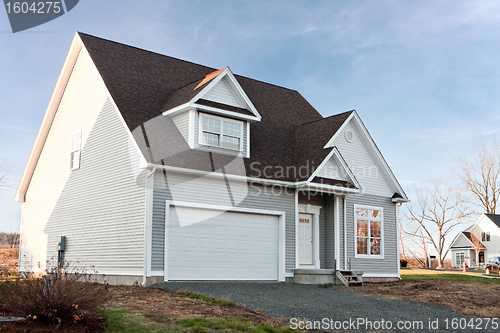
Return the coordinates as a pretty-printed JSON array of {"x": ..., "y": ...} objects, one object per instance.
[
  {"x": 477, "y": 244},
  {"x": 158, "y": 169}
]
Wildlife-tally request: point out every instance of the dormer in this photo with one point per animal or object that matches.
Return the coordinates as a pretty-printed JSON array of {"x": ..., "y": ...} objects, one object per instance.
[{"x": 214, "y": 113}]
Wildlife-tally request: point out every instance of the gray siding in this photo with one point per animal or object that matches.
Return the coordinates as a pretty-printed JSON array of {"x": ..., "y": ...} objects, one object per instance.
[
  {"x": 100, "y": 207},
  {"x": 389, "y": 264},
  {"x": 182, "y": 123},
  {"x": 326, "y": 226},
  {"x": 362, "y": 163},
  {"x": 179, "y": 187},
  {"x": 222, "y": 93},
  {"x": 329, "y": 261}
]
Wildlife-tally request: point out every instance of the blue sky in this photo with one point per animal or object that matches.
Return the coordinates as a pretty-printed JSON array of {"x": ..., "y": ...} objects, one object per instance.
[{"x": 423, "y": 75}]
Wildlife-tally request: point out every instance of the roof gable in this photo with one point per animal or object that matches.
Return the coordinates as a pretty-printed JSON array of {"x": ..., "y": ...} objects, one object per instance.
[
  {"x": 494, "y": 218},
  {"x": 466, "y": 239},
  {"x": 364, "y": 158},
  {"x": 218, "y": 92},
  {"x": 335, "y": 167}
]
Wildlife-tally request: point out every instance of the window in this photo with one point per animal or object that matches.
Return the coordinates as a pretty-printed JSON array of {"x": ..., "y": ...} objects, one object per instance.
[
  {"x": 369, "y": 221},
  {"x": 220, "y": 132},
  {"x": 76, "y": 142},
  {"x": 459, "y": 259},
  {"x": 485, "y": 236}
]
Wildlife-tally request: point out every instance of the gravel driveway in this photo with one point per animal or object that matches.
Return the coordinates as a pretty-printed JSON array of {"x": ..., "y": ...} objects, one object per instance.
[{"x": 338, "y": 303}]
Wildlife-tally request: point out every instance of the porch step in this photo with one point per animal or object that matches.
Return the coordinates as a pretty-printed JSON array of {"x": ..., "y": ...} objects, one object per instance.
[
  {"x": 314, "y": 276},
  {"x": 349, "y": 278}
]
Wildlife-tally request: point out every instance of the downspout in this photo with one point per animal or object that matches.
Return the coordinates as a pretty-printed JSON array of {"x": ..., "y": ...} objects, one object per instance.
[
  {"x": 147, "y": 229},
  {"x": 345, "y": 233}
]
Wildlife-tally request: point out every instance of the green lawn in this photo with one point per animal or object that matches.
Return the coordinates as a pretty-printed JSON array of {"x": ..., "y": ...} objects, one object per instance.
[
  {"x": 418, "y": 275},
  {"x": 125, "y": 321}
]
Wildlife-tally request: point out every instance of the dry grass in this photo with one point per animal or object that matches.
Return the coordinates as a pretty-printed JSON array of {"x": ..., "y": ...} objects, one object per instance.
[
  {"x": 8, "y": 262},
  {"x": 469, "y": 295},
  {"x": 167, "y": 306}
]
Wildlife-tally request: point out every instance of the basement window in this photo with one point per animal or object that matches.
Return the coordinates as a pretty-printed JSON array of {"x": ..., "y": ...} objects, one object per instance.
[
  {"x": 76, "y": 143},
  {"x": 369, "y": 230}
]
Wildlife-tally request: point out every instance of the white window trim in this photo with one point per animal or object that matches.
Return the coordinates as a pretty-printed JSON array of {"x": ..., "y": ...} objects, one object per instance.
[
  {"x": 455, "y": 258},
  {"x": 369, "y": 256},
  {"x": 222, "y": 120},
  {"x": 75, "y": 149}
]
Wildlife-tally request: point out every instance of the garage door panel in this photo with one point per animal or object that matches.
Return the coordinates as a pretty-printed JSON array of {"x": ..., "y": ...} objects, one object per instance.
[{"x": 228, "y": 246}]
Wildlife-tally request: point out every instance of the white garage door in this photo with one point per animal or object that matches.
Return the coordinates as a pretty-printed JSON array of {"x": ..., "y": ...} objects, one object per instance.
[{"x": 206, "y": 244}]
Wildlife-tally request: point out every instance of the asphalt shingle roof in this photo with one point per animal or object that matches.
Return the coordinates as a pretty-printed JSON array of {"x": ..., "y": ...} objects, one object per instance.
[{"x": 143, "y": 84}]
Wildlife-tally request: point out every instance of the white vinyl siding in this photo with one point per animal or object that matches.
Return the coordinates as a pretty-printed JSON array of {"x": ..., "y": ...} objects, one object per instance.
[
  {"x": 76, "y": 144},
  {"x": 362, "y": 164},
  {"x": 462, "y": 241},
  {"x": 223, "y": 93},
  {"x": 101, "y": 208},
  {"x": 492, "y": 246}
]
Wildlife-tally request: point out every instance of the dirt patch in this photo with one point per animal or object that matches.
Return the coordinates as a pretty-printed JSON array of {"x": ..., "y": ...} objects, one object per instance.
[
  {"x": 164, "y": 306},
  {"x": 470, "y": 298}
]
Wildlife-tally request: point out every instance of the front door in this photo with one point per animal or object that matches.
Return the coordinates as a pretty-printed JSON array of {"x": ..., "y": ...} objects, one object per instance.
[{"x": 306, "y": 248}]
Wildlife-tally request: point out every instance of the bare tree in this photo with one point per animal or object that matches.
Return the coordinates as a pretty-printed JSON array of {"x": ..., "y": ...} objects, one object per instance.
[
  {"x": 416, "y": 247},
  {"x": 439, "y": 209},
  {"x": 12, "y": 239},
  {"x": 480, "y": 175}
]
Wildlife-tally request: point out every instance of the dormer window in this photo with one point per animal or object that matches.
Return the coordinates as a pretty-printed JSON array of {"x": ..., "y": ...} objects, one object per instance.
[{"x": 221, "y": 132}]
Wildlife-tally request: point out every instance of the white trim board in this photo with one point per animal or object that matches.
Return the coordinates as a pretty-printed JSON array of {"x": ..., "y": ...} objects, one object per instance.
[{"x": 281, "y": 228}]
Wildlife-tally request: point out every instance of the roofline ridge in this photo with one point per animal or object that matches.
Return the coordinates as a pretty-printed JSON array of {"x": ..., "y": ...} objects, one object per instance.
[
  {"x": 141, "y": 49},
  {"x": 186, "y": 61},
  {"x": 333, "y": 115}
]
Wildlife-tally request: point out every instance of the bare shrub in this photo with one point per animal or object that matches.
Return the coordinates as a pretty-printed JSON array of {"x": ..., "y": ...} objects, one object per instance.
[{"x": 60, "y": 297}]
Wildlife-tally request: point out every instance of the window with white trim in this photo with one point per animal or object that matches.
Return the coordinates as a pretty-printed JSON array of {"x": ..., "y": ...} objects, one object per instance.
[
  {"x": 369, "y": 231},
  {"x": 76, "y": 143},
  {"x": 485, "y": 236},
  {"x": 220, "y": 132},
  {"x": 459, "y": 259}
]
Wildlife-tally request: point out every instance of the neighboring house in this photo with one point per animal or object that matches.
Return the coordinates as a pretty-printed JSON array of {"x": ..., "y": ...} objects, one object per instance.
[
  {"x": 155, "y": 169},
  {"x": 477, "y": 244}
]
